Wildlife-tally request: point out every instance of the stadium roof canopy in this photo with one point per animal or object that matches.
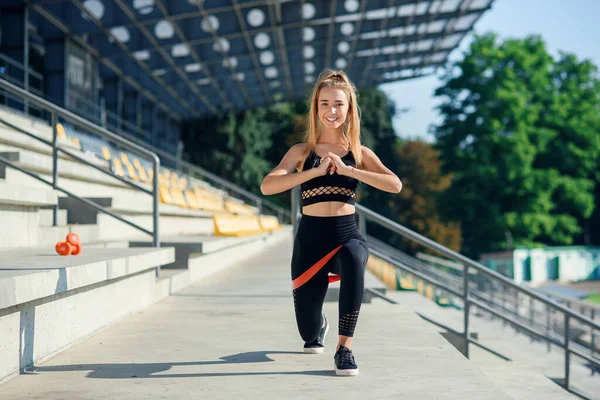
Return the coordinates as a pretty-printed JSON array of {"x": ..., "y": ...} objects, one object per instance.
[{"x": 202, "y": 57}]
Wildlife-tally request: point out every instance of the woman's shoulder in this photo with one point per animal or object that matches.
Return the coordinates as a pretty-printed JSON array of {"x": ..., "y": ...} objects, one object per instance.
[
  {"x": 366, "y": 152},
  {"x": 299, "y": 150},
  {"x": 299, "y": 147}
]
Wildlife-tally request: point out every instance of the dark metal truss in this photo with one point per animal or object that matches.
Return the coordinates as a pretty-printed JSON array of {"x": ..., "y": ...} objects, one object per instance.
[{"x": 230, "y": 55}]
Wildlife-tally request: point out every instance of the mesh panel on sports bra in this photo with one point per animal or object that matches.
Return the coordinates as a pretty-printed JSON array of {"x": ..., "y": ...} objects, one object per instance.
[{"x": 328, "y": 190}]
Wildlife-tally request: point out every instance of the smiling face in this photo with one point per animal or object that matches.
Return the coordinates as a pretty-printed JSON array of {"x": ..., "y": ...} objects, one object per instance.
[{"x": 332, "y": 107}]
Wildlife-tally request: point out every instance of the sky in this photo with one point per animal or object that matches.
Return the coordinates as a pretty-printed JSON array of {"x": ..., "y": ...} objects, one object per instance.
[{"x": 565, "y": 25}]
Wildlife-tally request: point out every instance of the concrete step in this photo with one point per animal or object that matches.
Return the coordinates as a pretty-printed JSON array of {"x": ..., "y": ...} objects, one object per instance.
[
  {"x": 190, "y": 247},
  {"x": 19, "y": 195},
  {"x": 138, "y": 204},
  {"x": 42, "y": 163},
  {"x": 75, "y": 185},
  {"x": 548, "y": 367},
  {"x": 11, "y": 140},
  {"x": 49, "y": 302},
  {"x": 517, "y": 378},
  {"x": 48, "y": 236},
  {"x": 107, "y": 244},
  {"x": 32, "y": 125},
  {"x": 199, "y": 266},
  {"x": 19, "y": 213},
  {"x": 47, "y": 215}
]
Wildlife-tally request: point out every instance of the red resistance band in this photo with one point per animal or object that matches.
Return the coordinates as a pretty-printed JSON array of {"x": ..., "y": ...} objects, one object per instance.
[{"x": 312, "y": 271}]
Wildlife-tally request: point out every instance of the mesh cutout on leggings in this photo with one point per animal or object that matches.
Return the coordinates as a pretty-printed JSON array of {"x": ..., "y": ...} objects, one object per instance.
[
  {"x": 348, "y": 323},
  {"x": 328, "y": 190}
]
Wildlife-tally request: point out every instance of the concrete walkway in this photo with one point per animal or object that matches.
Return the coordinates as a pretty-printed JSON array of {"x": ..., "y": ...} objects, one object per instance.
[{"x": 233, "y": 336}]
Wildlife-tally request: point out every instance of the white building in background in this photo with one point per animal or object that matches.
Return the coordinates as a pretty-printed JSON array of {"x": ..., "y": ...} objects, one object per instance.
[{"x": 540, "y": 265}]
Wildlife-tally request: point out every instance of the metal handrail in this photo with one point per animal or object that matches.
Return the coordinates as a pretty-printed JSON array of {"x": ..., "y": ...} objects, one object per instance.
[
  {"x": 407, "y": 233},
  {"x": 17, "y": 64},
  {"x": 569, "y": 300},
  {"x": 368, "y": 215},
  {"x": 56, "y": 111}
]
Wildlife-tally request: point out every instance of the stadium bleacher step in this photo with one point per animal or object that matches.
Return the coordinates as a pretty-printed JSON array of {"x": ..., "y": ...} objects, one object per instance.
[
  {"x": 47, "y": 214},
  {"x": 14, "y": 141},
  {"x": 42, "y": 164},
  {"x": 50, "y": 302},
  {"x": 130, "y": 205},
  {"x": 32, "y": 125},
  {"x": 517, "y": 378},
  {"x": 48, "y": 236},
  {"x": 189, "y": 249},
  {"x": 19, "y": 213},
  {"x": 84, "y": 188}
]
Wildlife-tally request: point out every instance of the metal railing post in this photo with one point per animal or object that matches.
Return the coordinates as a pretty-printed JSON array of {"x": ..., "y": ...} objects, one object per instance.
[
  {"x": 567, "y": 353},
  {"x": 295, "y": 193},
  {"x": 362, "y": 224},
  {"x": 155, "y": 205},
  {"x": 466, "y": 307},
  {"x": 54, "y": 166},
  {"x": 593, "y": 342},
  {"x": 259, "y": 206},
  {"x": 548, "y": 328}
]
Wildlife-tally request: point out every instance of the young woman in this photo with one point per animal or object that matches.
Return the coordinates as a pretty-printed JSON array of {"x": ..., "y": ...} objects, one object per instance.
[{"x": 328, "y": 167}]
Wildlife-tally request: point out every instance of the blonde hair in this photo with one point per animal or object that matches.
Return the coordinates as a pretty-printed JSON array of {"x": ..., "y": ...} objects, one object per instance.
[{"x": 351, "y": 130}]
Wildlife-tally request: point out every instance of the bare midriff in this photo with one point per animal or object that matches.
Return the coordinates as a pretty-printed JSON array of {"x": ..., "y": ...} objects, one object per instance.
[{"x": 328, "y": 209}]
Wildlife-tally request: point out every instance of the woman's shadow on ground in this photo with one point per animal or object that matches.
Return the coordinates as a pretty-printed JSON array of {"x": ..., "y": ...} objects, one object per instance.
[{"x": 152, "y": 370}]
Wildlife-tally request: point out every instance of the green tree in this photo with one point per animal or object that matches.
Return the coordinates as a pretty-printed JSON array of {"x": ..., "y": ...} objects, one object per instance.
[
  {"x": 233, "y": 146},
  {"x": 520, "y": 135},
  {"x": 423, "y": 183}
]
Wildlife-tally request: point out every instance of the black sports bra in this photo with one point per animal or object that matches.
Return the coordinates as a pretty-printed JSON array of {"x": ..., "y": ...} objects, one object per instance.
[{"x": 328, "y": 187}]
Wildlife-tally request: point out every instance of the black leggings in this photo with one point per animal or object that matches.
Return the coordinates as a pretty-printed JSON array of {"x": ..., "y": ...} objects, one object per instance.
[{"x": 317, "y": 239}]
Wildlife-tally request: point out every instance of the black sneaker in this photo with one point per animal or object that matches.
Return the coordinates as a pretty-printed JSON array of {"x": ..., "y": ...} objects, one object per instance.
[
  {"x": 317, "y": 346},
  {"x": 344, "y": 362}
]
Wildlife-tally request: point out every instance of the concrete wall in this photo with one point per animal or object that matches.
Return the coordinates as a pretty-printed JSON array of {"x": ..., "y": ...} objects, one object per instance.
[{"x": 35, "y": 331}]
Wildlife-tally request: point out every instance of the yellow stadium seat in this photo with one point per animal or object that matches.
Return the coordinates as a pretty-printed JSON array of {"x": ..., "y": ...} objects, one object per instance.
[
  {"x": 178, "y": 198},
  {"x": 235, "y": 207},
  {"x": 60, "y": 131},
  {"x": 174, "y": 180},
  {"x": 132, "y": 173},
  {"x": 106, "y": 154},
  {"x": 162, "y": 179},
  {"x": 183, "y": 183},
  {"x": 209, "y": 200},
  {"x": 429, "y": 292},
  {"x": 124, "y": 158},
  {"x": 406, "y": 284},
  {"x": 142, "y": 174},
  {"x": 192, "y": 200},
  {"x": 118, "y": 167},
  {"x": 269, "y": 223},
  {"x": 165, "y": 195},
  {"x": 236, "y": 225}
]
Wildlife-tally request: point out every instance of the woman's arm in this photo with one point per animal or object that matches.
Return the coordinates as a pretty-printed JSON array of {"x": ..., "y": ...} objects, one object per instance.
[
  {"x": 283, "y": 178},
  {"x": 373, "y": 172}
]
